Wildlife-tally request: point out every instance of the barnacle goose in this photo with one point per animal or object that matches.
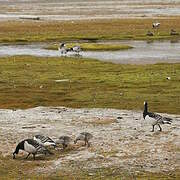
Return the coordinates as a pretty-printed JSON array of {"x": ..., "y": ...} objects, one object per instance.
[
  {"x": 32, "y": 147},
  {"x": 173, "y": 32},
  {"x": 149, "y": 33},
  {"x": 62, "y": 48},
  {"x": 155, "y": 119},
  {"x": 64, "y": 140},
  {"x": 44, "y": 140},
  {"x": 156, "y": 25},
  {"x": 76, "y": 49},
  {"x": 84, "y": 136}
]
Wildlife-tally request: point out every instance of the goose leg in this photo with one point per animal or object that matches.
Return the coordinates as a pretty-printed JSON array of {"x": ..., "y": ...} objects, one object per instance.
[
  {"x": 152, "y": 128},
  {"x": 28, "y": 155},
  {"x": 88, "y": 144},
  {"x": 160, "y": 129},
  {"x": 34, "y": 156}
]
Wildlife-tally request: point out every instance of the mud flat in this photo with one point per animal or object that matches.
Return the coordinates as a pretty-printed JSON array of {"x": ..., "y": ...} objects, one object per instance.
[
  {"x": 122, "y": 139},
  {"x": 88, "y": 9}
]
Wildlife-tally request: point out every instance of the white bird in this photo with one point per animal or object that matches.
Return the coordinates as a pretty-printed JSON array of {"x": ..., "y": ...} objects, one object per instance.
[
  {"x": 155, "y": 119},
  {"x": 64, "y": 140},
  {"x": 44, "y": 140},
  {"x": 32, "y": 147},
  {"x": 84, "y": 136}
]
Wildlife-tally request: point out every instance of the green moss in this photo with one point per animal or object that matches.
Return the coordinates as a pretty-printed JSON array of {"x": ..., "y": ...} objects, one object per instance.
[{"x": 30, "y": 81}]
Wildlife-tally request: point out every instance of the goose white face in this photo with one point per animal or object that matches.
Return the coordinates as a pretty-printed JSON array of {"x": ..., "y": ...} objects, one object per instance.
[{"x": 29, "y": 148}]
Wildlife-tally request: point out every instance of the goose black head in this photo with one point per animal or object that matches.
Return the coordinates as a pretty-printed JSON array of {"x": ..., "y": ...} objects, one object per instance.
[
  {"x": 62, "y": 45},
  {"x": 18, "y": 147}
]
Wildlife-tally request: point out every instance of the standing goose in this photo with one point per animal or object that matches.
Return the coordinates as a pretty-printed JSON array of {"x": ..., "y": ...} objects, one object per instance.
[
  {"x": 84, "y": 136},
  {"x": 156, "y": 25},
  {"x": 32, "y": 147},
  {"x": 62, "y": 48},
  {"x": 155, "y": 119},
  {"x": 44, "y": 140},
  {"x": 64, "y": 140}
]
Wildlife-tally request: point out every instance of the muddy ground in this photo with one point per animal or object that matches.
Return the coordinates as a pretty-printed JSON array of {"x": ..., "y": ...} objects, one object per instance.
[
  {"x": 121, "y": 138},
  {"x": 88, "y": 9}
]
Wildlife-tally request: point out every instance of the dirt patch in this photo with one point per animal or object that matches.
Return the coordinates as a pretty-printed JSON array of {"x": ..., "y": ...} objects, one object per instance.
[{"x": 121, "y": 138}]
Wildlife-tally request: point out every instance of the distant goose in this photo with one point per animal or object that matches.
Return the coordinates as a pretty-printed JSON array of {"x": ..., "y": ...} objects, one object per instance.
[
  {"x": 149, "y": 33},
  {"x": 173, "y": 32},
  {"x": 64, "y": 140},
  {"x": 76, "y": 49},
  {"x": 44, "y": 140},
  {"x": 155, "y": 119},
  {"x": 62, "y": 48},
  {"x": 32, "y": 147},
  {"x": 84, "y": 136},
  {"x": 156, "y": 25}
]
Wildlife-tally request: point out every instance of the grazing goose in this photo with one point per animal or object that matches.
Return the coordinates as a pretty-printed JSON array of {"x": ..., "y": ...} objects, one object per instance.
[
  {"x": 173, "y": 32},
  {"x": 64, "y": 140},
  {"x": 84, "y": 136},
  {"x": 155, "y": 119},
  {"x": 44, "y": 140},
  {"x": 149, "y": 33},
  {"x": 32, "y": 147}
]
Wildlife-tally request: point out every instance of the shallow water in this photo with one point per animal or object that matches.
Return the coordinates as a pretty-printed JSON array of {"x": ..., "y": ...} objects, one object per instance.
[{"x": 142, "y": 53}]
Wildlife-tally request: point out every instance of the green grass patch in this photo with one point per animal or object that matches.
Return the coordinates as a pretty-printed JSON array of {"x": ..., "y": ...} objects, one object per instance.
[
  {"x": 21, "y": 168},
  {"x": 92, "y": 30},
  {"x": 27, "y": 81},
  {"x": 94, "y": 46}
]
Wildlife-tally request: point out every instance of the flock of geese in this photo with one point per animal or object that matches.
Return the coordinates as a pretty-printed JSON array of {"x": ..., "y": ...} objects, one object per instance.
[
  {"x": 156, "y": 25},
  {"x": 64, "y": 50},
  {"x": 39, "y": 143}
]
